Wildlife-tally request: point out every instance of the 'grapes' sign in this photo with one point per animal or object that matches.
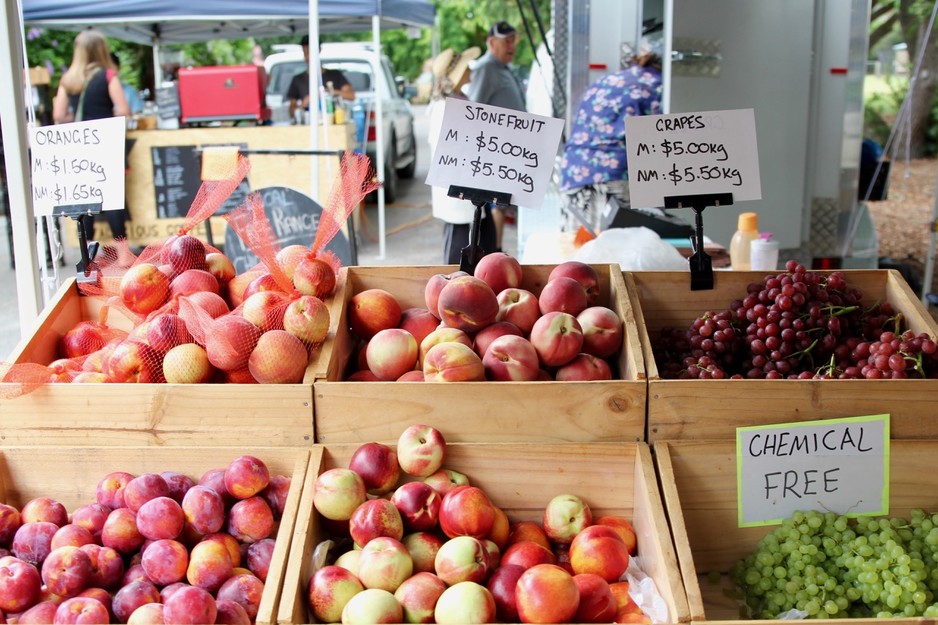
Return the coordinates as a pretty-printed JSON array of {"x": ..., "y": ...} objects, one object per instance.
[
  {"x": 495, "y": 149},
  {"x": 692, "y": 154},
  {"x": 835, "y": 465}
]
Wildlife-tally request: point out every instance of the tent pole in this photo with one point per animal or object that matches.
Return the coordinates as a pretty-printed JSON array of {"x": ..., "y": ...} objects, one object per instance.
[
  {"x": 157, "y": 66},
  {"x": 930, "y": 257},
  {"x": 315, "y": 77},
  {"x": 379, "y": 135},
  {"x": 19, "y": 194}
]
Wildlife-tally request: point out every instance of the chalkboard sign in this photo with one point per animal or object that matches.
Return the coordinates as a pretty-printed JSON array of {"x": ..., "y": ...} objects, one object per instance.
[
  {"x": 167, "y": 102},
  {"x": 294, "y": 218},
  {"x": 177, "y": 178}
]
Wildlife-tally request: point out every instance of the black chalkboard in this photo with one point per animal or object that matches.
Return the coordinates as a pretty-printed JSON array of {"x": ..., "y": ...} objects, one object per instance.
[
  {"x": 177, "y": 177},
  {"x": 167, "y": 102},
  {"x": 294, "y": 218}
]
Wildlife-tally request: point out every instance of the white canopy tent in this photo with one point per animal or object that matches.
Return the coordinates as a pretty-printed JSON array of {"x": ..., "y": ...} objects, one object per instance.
[{"x": 156, "y": 22}]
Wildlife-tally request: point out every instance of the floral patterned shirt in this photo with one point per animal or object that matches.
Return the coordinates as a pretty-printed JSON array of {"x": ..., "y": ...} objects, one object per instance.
[{"x": 595, "y": 150}]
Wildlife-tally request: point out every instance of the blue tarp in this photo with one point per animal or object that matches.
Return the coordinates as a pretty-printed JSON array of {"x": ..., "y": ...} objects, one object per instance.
[{"x": 183, "y": 21}]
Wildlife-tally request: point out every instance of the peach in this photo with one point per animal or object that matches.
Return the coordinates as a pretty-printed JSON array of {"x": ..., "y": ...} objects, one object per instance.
[
  {"x": 391, "y": 353},
  {"x": 446, "y": 480},
  {"x": 131, "y": 596},
  {"x": 328, "y": 591},
  {"x": 134, "y": 572},
  {"x": 71, "y": 534},
  {"x": 230, "y": 543},
  {"x": 132, "y": 361},
  {"x": 89, "y": 516},
  {"x": 597, "y": 605},
  {"x": 161, "y": 517},
  {"x": 183, "y": 252},
  {"x": 412, "y": 376},
  {"x": 419, "y": 322},
  {"x": 276, "y": 494},
  {"x": 165, "y": 561},
  {"x": 211, "y": 303},
  {"x": 501, "y": 528},
  {"x": 314, "y": 276},
  {"x": 599, "y": 549},
  {"x": 120, "y": 532},
  {"x": 378, "y": 466},
  {"x": 143, "y": 488},
  {"x": 435, "y": 284},
  {"x": 418, "y": 595},
  {"x": 307, "y": 318},
  {"x": 466, "y": 511},
  {"x": 502, "y": 585},
  {"x": 462, "y": 559},
  {"x": 265, "y": 309},
  {"x": 289, "y": 257},
  {"x": 147, "y": 614},
  {"x": 258, "y": 556},
  {"x": 465, "y": 602},
  {"x": 584, "y": 367},
  {"x": 602, "y": 331},
  {"x": 363, "y": 376},
  {"x": 467, "y": 303},
  {"x": 384, "y": 563},
  {"x": 10, "y": 521},
  {"x": 178, "y": 484},
  {"x": 209, "y": 565},
  {"x": 371, "y": 311},
  {"x": 527, "y": 530},
  {"x": 246, "y": 476},
  {"x": 518, "y": 306},
  {"x": 371, "y": 606},
  {"x": 230, "y": 613},
  {"x": 220, "y": 266},
  {"x": 422, "y": 547},
  {"x": 44, "y": 509},
  {"x": 98, "y": 594},
  {"x": 66, "y": 571},
  {"x": 511, "y": 359},
  {"x": 623, "y": 527},
  {"x": 107, "y": 566},
  {"x": 190, "y": 605},
  {"x": 442, "y": 335},
  {"x": 84, "y": 338},
  {"x": 239, "y": 284},
  {"x": 565, "y": 516},
  {"x": 557, "y": 337},
  {"x": 374, "y": 518},
  {"x": 546, "y": 593},
  {"x": 244, "y": 589},
  {"x": 82, "y": 610},
  {"x": 278, "y": 358},
  {"x": 19, "y": 585},
  {"x": 32, "y": 542},
  {"x": 452, "y": 362},
  {"x": 229, "y": 342},
  {"x": 583, "y": 273},
  {"x": 40, "y": 614},
  {"x": 527, "y": 553},
  {"x": 215, "y": 479},
  {"x": 338, "y": 492},
  {"x": 499, "y": 270},
  {"x": 484, "y": 337},
  {"x": 250, "y": 520},
  {"x": 562, "y": 294},
  {"x": 144, "y": 288},
  {"x": 418, "y": 504},
  {"x": 110, "y": 490},
  {"x": 193, "y": 281},
  {"x": 204, "y": 509}
]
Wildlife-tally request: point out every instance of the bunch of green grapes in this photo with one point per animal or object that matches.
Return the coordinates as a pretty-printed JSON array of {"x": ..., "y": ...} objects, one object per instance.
[{"x": 827, "y": 566}]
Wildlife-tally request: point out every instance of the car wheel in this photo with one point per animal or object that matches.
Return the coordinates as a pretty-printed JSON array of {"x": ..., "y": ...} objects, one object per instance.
[
  {"x": 390, "y": 174},
  {"x": 407, "y": 172}
]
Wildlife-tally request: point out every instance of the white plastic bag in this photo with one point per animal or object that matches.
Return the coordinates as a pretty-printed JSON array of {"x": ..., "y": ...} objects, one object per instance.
[{"x": 635, "y": 249}]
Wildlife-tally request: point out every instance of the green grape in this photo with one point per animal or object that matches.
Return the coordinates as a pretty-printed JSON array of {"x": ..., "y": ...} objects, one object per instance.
[{"x": 830, "y": 607}]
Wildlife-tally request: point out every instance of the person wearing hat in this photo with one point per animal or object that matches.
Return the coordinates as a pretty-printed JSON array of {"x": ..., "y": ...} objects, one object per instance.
[
  {"x": 494, "y": 82},
  {"x": 298, "y": 91},
  {"x": 450, "y": 75}
]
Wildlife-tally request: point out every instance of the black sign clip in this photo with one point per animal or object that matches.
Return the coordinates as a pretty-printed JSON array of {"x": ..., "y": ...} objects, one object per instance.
[
  {"x": 472, "y": 253},
  {"x": 86, "y": 270},
  {"x": 701, "y": 267}
]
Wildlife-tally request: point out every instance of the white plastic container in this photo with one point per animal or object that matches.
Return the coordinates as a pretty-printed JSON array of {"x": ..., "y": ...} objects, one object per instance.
[
  {"x": 763, "y": 253},
  {"x": 748, "y": 231}
]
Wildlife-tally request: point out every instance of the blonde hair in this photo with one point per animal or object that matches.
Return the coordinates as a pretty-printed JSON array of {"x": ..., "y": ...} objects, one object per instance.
[{"x": 91, "y": 53}]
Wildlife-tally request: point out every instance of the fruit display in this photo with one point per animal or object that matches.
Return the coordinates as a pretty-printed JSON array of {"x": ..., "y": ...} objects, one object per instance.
[
  {"x": 407, "y": 538},
  {"x": 797, "y": 324},
  {"x": 487, "y": 326},
  {"x": 142, "y": 547}
]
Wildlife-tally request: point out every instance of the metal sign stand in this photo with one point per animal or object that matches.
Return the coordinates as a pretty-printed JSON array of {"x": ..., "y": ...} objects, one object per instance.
[
  {"x": 472, "y": 253},
  {"x": 86, "y": 270},
  {"x": 701, "y": 267}
]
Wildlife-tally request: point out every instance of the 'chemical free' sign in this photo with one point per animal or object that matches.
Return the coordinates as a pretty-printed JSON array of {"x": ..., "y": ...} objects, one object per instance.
[
  {"x": 692, "y": 154},
  {"x": 495, "y": 149},
  {"x": 78, "y": 163},
  {"x": 836, "y": 465}
]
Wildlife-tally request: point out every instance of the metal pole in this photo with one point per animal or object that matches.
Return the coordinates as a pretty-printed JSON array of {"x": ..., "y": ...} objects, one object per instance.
[
  {"x": 930, "y": 257},
  {"x": 315, "y": 77},
  {"x": 379, "y": 134},
  {"x": 12, "y": 117}
]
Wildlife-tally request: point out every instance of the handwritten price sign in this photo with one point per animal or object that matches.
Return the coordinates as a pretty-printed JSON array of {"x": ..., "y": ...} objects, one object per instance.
[
  {"x": 496, "y": 149},
  {"x": 79, "y": 163},
  {"x": 692, "y": 154}
]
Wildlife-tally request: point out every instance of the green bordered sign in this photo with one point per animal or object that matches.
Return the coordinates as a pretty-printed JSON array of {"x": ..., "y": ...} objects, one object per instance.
[{"x": 836, "y": 465}]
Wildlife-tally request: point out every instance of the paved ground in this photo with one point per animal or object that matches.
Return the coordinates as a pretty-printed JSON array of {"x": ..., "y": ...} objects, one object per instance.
[{"x": 414, "y": 237}]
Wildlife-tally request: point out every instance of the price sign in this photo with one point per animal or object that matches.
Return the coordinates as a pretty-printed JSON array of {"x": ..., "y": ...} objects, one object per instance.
[
  {"x": 496, "y": 149},
  {"x": 692, "y": 154},
  {"x": 836, "y": 465},
  {"x": 78, "y": 163}
]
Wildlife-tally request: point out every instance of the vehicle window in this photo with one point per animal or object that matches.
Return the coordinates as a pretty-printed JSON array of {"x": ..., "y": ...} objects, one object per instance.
[
  {"x": 281, "y": 74},
  {"x": 358, "y": 73}
]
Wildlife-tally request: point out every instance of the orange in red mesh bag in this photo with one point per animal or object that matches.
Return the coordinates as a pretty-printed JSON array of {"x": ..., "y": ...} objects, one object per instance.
[{"x": 280, "y": 316}]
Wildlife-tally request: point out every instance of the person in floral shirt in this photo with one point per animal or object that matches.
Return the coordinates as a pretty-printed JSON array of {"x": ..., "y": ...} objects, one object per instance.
[{"x": 593, "y": 166}]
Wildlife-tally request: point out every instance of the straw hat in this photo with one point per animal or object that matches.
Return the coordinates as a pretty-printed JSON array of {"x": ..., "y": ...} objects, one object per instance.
[{"x": 448, "y": 64}]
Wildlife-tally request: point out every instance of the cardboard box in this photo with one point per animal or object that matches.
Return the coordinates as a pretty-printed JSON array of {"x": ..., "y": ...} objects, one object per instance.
[
  {"x": 479, "y": 411},
  {"x": 147, "y": 414},
  {"x": 70, "y": 476},
  {"x": 680, "y": 409},
  {"x": 698, "y": 484},
  {"x": 521, "y": 478}
]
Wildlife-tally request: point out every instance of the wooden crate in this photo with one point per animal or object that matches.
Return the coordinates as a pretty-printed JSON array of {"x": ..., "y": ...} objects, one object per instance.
[
  {"x": 698, "y": 485},
  {"x": 680, "y": 409},
  {"x": 612, "y": 478},
  {"x": 71, "y": 475},
  {"x": 148, "y": 414},
  {"x": 480, "y": 411}
]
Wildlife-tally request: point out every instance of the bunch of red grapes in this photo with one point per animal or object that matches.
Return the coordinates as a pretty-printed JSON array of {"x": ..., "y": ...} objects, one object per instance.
[{"x": 798, "y": 324}]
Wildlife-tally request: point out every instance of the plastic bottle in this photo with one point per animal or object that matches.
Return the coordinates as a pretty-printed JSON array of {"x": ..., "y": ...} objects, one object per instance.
[
  {"x": 763, "y": 253},
  {"x": 747, "y": 232}
]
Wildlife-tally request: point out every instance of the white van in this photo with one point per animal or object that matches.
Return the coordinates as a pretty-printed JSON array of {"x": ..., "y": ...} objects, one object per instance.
[{"x": 355, "y": 60}]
